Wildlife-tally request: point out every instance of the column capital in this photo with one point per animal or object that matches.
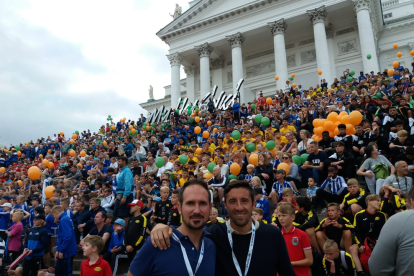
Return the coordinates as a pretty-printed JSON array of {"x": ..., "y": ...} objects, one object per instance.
[
  {"x": 235, "y": 40},
  {"x": 191, "y": 70},
  {"x": 317, "y": 15},
  {"x": 204, "y": 50},
  {"x": 218, "y": 63},
  {"x": 360, "y": 5},
  {"x": 278, "y": 26},
  {"x": 175, "y": 59}
]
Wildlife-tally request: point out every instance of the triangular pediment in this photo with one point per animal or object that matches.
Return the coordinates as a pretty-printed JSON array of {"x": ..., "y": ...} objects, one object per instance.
[{"x": 203, "y": 11}]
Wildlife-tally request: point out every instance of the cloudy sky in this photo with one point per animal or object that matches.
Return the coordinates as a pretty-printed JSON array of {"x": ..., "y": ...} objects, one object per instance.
[{"x": 67, "y": 65}]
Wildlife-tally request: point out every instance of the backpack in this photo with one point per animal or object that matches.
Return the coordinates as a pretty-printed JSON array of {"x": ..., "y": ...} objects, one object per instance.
[{"x": 381, "y": 171}]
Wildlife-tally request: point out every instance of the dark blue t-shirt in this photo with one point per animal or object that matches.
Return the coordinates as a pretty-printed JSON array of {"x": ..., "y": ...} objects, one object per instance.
[{"x": 316, "y": 159}]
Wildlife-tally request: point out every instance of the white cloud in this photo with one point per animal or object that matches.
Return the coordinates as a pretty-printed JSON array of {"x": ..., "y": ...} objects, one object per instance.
[{"x": 66, "y": 65}]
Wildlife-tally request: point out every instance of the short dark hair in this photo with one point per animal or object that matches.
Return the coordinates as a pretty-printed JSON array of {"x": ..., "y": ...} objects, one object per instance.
[
  {"x": 103, "y": 214},
  {"x": 333, "y": 167},
  {"x": 191, "y": 183},
  {"x": 339, "y": 143},
  {"x": 304, "y": 202},
  {"x": 368, "y": 150},
  {"x": 85, "y": 197},
  {"x": 110, "y": 170},
  {"x": 239, "y": 184},
  {"x": 343, "y": 126},
  {"x": 123, "y": 158}
]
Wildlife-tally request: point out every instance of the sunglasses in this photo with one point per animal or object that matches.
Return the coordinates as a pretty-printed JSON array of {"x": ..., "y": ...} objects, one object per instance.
[{"x": 285, "y": 157}]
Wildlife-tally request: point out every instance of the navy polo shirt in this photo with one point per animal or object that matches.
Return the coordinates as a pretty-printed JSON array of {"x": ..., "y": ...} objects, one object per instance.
[{"x": 152, "y": 261}]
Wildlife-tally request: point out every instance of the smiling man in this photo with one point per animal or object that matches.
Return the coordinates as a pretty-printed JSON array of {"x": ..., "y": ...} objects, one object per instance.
[{"x": 244, "y": 246}]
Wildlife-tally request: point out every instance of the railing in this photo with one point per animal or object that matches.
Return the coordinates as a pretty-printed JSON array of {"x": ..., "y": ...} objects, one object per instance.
[{"x": 389, "y": 3}]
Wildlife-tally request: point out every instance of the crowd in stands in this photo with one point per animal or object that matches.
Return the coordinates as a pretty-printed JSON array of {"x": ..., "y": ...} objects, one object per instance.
[{"x": 111, "y": 187}]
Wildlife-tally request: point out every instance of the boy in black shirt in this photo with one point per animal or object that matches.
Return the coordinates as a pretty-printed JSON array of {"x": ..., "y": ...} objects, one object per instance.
[
  {"x": 174, "y": 217},
  {"x": 335, "y": 227},
  {"x": 344, "y": 160},
  {"x": 306, "y": 220},
  {"x": 135, "y": 230},
  {"x": 342, "y": 136},
  {"x": 337, "y": 262},
  {"x": 326, "y": 144},
  {"x": 355, "y": 199},
  {"x": 162, "y": 208},
  {"x": 398, "y": 146}
]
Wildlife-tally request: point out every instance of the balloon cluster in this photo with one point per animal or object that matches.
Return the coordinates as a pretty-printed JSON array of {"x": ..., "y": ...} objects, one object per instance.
[
  {"x": 109, "y": 118},
  {"x": 332, "y": 122}
]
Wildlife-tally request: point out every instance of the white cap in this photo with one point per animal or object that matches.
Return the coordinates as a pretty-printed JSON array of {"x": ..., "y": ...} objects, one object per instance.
[{"x": 6, "y": 205}]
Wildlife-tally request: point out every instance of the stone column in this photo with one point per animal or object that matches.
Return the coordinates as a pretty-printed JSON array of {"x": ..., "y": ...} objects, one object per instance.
[
  {"x": 175, "y": 61},
  {"x": 191, "y": 72},
  {"x": 278, "y": 29},
  {"x": 218, "y": 65},
  {"x": 204, "y": 52},
  {"x": 317, "y": 17},
  {"x": 366, "y": 36},
  {"x": 236, "y": 40},
  {"x": 329, "y": 39}
]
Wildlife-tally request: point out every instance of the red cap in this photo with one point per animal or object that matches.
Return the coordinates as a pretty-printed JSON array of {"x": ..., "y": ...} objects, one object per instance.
[{"x": 136, "y": 202}]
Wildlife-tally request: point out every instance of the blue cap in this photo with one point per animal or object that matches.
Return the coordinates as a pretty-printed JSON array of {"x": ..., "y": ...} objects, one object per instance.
[
  {"x": 157, "y": 199},
  {"x": 120, "y": 222}
]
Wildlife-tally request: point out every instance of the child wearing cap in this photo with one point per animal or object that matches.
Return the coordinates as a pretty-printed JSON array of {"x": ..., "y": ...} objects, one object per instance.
[
  {"x": 135, "y": 231},
  {"x": 116, "y": 249},
  {"x": 37, "y": 243},
  {"x": 95, "y": 264}
]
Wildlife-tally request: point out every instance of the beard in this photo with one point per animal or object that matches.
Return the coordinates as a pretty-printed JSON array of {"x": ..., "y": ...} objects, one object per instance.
[
  {"x": 195, "y": 226},
  {"x": 237, "y": 221}
]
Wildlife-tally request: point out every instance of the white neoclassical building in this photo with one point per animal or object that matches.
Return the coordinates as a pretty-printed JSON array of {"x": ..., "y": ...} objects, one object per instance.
[{"x": 218, "y": 42}]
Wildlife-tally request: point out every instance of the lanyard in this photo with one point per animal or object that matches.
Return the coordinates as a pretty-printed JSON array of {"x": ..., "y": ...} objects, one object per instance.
[
  {"x": 249, "y": 255},
  {"x": 398, "y": 182},
  {"x": 187, "y": 262}
]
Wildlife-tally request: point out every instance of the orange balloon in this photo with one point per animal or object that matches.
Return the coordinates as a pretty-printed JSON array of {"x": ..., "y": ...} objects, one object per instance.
[
  {"x": 208, "y": 175},
  {"x": 197, "y": 129},
  {"x": 83, "y": 153},
  {"x": 19, "y": 153},
  {"x": 49, "y": 191},
  {"x": 206, "y": 134},
  {"x": 199, "y": 151},
  {"x": 197, "y": 119},
  {"x": 273, "y": 151},
  {"x": 235, "y": 169},
  {"x": 80, "y": 165},
  {"x": 45, "y": 162},
  {"x": 2, "y": 169},
  {"x": 133, "y": 131},
  {"x": 50, "y": 165},
  {"x": 345, "y": 119},
  {"x": 131, "y": 127},
  {"x": 322, "y": 122},
  {"x": 390, "y": 72},
  {"x": 412, "y": 80},
  {"x": 113, "y": 127},
  {"x": 199, "y": 113},
  {"x": 147, "y": 128},
  {"x": 319, "y": 72},
  {"x": 74, "y": 136},
  {"x": 343, "y": 113},
  {"x": 72, "y": 153},
  {"x": 277, "y": 78},
  {"x": 333, "y": 117},
  {"x": 318, "y": 131},
  {"x": 331, "y": 134},
  {"x": 61, "y": 133},
  {"x": 399, "y": 54},
  {"x": 284, "y": 166},
  {"x": 209, "y": 123},
  {"x": 355, "y": 118},
  {"x": 34, "y": 173},
  {"x": 313, "y": 137},
  {"x": 254, "y": 159},
  {"x": 49, "y": 151},
  {"x": 350, "y": 129},
  {"x": 336, "y": 131},
  {"x": 329, "y": 126},
  {"x": 395, "y": 46},
  {"x": 269, "y": 100},
  {"x": 294, "y": 85},
  {"x": 293, "y": 75},
  {"x": 27, "y": 143},
  {"x": 40, "y": 156},
  {"x": 395, "y": 64},
  {"x": 20, "y": 183},
  {"x": 318, "y": 139},
  {"x": 315, "y": 122},
  {"x": 72, "y": 141},
  {"x": 337, "y": 123}
]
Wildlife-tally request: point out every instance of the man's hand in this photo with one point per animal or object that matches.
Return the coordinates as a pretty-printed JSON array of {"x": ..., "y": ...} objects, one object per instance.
[
  {"x": 60, "y": 255},
  {"x": 160, "y": 236},
  {"x": 361, "y": 249},
  {"x": 123, "y": 201},
  {"x": 30, "y": 251},
  {"x": 341, "y": 206},
  {"x": 129, "y": 248},
  {"x": 80, "y": 226},
  {"x": 115, "y": 249}
]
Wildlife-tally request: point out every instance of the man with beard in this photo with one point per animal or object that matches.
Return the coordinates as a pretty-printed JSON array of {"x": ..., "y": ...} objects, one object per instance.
[
  {"x": 190, "y": 251},
  {"x": 239, "y": 251}
]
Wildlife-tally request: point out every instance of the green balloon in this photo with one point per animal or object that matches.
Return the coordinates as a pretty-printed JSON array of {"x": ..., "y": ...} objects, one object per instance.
[
  {"x": 265, "y": 121},
  {"x": 304, "y": 157},
  {"x": 130, "y": 132},
  {"x": 379, "y": 95},
  {"x": 177, "y": 111},
  {"x": 17, "y": 147},
  {"x": 189, "y": 112},
  {"x": 181, "y": 102},
  {"x": 258, "y": 118},
  {"x": 159, "y": 162},
  {"x": 253, "y": 106},
  {"x": 162, "y": 114},
  {"x": 153, "y": 124},
  {"x": 291, "y": 78},
  {"x": 235, "y": 134},
  {"x": 183, "y": 159},
  {"x": 233, "y": 176},
  {"x": 350, "y": 79},
  {"x": 297, "y": 160},
  {"x": 375, "y": 98},
  {"x": 171, "y": 176},
  {"x": 211, "y": 166},
  {"x": 352, "y": 73},
  {"x": 250, "y": 147},
  {"x": 77, "y": 132},
  {"x": 270, "y": 145},
  {"x": 162, "y": 129},
  {"x": 162, "y": 125},
  {"x": 369, "y": 56}
]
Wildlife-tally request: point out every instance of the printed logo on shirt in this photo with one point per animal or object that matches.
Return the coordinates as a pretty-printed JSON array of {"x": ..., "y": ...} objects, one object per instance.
[
  {"x": 377, "y": 218},
  {"x": 295, "y": 241},
  {"x": 174, "y": 214},
  {"x": 137, "y": 221},
  {"x": 168, "y": 205},
  {"x": 98, "y": 269}
]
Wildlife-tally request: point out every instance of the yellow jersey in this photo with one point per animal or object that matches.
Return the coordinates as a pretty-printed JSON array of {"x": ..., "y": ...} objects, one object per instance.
[{"x": 285, "y": 130}]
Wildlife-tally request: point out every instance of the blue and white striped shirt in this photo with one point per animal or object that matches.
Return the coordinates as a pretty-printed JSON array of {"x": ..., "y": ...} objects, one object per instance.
[
  {"x": 249, "y": 177},
  {"x": 278, "y": 188},
  {"x": 336, "y": 186}
]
